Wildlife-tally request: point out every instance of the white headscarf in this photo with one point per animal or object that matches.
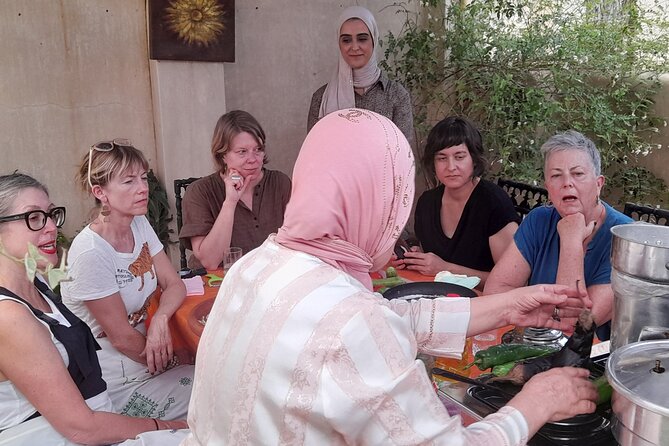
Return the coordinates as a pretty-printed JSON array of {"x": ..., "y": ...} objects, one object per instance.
[{"x": 339, "y": 92}]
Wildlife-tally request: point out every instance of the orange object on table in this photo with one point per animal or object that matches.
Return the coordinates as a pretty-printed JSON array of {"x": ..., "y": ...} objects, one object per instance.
[
  {"x": 473, "y": 344},
  {"x": 185, "y": 325}
]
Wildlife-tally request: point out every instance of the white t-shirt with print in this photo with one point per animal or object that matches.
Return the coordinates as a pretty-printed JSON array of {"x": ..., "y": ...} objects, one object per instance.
[{"x": 97, "y": 270}]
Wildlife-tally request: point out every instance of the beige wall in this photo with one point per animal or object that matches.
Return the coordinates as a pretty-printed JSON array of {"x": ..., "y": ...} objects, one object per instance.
[
  {"x": 286, "y": 49},
  {"x": 75, "y": 72},
  {"x": 71, "y": 73}
]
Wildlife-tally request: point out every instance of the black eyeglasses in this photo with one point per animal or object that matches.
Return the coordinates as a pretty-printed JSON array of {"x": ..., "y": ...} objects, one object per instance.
[
  {"x": 36, "y": 220},
  {"x": 104, "y": 146}
]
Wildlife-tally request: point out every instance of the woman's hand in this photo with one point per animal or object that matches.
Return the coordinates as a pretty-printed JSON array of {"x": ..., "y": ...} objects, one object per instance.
[
  {"x": 534, "y": 306},
  {"x": 554, "y": 395},
  {"x": 158, "y": 349},
  {"x": 236, "y": 184},
  {"x": 426, "y": 263},
  {"x": 171, "y": 424},
  {"x": 399, "y": 263},
  {"x": 573, "y": 228}
]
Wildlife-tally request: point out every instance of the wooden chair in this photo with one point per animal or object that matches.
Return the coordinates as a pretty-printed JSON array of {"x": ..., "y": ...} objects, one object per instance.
[
  {"x": 525, "y": 197},
  {"x": 180, "y": 186},
  {"x": 648, "y": 214}
]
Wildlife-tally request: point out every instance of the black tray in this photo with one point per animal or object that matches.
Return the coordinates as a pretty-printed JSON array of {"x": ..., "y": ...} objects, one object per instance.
[{"x": 428, "y": 290}]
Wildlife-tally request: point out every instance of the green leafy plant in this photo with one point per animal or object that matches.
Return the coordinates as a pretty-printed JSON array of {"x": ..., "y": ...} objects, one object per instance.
[
  {"x": 159, "y": 210},
  {"x": 525, "y": 69}
]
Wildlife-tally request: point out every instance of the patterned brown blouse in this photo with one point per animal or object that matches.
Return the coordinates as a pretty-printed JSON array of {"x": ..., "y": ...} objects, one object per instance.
[
  {"x": 386, "y": 97},
  {"x": 204, "y": 198}
]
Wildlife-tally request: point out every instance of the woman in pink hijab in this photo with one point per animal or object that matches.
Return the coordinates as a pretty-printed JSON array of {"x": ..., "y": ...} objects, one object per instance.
[{"x": 297, "y": 348}]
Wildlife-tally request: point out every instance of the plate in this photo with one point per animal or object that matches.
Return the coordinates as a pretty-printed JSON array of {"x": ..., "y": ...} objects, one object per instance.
[
  {"x": 428, "y": 290},
  {"x": 199, "y": 311}
]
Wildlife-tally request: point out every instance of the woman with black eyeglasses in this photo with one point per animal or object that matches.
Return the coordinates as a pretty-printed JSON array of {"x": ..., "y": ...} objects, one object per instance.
[
  {"x": 51, "y": 386},
  {"x": 242, "y": 202},
  {"x": 116, "y": 264}
]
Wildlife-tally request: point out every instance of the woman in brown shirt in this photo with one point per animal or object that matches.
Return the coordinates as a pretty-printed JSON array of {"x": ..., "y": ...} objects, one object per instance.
[{"x": 239, "y": 205}]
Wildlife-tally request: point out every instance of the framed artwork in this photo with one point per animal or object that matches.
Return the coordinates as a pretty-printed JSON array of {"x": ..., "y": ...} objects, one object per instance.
[{"x": 193, "y": 30}]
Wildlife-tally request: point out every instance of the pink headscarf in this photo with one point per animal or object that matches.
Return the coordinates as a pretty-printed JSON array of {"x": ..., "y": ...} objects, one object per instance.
[{"x": 353, "y": 188}]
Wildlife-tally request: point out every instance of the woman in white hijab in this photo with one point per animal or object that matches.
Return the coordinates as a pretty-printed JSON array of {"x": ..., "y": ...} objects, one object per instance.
[{"x": 358, "y": 81}]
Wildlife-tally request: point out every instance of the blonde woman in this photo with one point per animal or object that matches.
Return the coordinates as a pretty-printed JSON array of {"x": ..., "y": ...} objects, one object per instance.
[{"x": 116, "y": 264}]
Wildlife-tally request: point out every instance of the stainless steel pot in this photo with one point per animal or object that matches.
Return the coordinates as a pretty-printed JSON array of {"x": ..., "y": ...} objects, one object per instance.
[
  {"x": 641, "y": 250},
  {"x": 640, "y": 281},
  {"x": 640, "y": 398}
]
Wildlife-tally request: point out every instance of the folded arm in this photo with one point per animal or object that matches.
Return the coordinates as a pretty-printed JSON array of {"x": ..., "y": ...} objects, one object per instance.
[{"x": 32, "y": 363}]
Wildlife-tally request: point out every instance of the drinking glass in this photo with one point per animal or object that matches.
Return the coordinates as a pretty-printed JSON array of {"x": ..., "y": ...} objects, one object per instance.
[{"x": 231, "y": 256}]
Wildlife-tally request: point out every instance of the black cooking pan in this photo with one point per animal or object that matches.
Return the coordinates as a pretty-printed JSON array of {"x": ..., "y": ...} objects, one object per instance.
[{"x": 428, "y": 290}]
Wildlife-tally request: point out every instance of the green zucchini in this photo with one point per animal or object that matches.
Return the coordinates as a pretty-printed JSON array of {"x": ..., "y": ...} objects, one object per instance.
[{"x": 388, "y": 282}]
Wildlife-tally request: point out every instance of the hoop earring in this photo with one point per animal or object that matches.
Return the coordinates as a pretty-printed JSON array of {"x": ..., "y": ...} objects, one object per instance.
[{"x": 105, "y": 212}]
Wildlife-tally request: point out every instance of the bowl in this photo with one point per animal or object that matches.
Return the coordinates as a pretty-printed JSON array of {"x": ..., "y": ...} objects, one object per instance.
[{"x": 195, "y": 317}]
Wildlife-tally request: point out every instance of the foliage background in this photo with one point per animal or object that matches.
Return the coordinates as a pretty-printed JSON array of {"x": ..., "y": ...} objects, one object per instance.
[{"x": 525, "y": 69}]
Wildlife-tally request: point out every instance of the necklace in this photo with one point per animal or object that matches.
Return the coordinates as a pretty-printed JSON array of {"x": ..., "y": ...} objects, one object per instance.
[{"x": 599, "y": 217}]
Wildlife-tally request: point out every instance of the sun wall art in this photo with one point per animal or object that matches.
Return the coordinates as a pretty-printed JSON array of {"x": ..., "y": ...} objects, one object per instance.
[{"x": 194, "y": 30}]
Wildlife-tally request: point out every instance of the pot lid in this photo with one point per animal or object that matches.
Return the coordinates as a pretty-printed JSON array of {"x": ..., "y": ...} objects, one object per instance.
[
  {"x": 533, "y": 335},
  {"x": 633, "y": 370},
  {"x": 647, "y": 234}
]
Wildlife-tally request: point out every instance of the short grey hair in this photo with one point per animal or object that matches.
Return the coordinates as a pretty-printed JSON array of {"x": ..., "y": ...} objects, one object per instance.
[
  {"x": 573, "y": 140},
  {"x": 11, "y": 185}
]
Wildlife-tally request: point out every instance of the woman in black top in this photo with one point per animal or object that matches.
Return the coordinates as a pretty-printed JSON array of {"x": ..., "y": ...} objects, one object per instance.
[{"x": 464, "y": 224}]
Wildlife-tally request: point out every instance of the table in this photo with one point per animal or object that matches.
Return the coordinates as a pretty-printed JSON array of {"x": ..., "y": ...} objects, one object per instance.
[
  {"x": 184, "y": 326},
  {"x": 186, "y": 330}
]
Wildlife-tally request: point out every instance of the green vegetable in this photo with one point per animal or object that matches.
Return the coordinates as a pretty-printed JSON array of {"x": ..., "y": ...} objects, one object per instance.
[
  {"x": 388, "y": 282},
  {"x": 504, "y": 353},
  {"x": 503, "y": 369},
  {"x": 391, "y": 272},
  {"x": 604, "y": 389}
]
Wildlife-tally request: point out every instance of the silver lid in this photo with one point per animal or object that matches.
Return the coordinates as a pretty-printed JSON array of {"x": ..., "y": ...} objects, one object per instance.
[{"x": 633, "y": 371}]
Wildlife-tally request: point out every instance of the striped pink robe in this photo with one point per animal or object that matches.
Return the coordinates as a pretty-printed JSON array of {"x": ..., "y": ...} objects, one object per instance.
[{"x": 296, "y": 352}]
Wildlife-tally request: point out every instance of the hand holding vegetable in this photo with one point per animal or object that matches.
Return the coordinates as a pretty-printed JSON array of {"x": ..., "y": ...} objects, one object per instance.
[
  {"x": 555, "y": 395},
  {"x": 575, "y": 353}
]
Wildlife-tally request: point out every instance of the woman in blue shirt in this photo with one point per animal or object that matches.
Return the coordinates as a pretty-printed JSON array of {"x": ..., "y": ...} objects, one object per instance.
[{"x": 569, "y": 241}]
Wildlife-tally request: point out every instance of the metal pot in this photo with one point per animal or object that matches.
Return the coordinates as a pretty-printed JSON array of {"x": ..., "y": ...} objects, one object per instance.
[
  {"x": 640, "y": 400},
  {"x": 640, "y": 282},
  {"x": 641, "y": 250}
]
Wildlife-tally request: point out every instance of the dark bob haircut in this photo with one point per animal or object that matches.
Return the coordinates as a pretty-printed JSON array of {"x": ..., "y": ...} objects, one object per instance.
[{"x": 453, "y": 131}]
